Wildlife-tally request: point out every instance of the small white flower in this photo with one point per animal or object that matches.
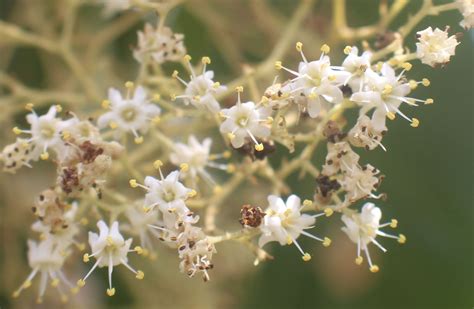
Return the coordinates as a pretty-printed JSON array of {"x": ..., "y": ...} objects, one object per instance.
[
  {"x": 109, "y": 249},
  {"x": 363, "y": 134},
  {"x": 15, "y": 156},
  {"x": 46, "y": 259},
  {"x": 466, "y": 7},
  {"x": 139, "y": 225},
  {"x": 316, "y": 84},
  {"x": 161, "y": 46},
  {"x": 284, "y": 223},
  {"x": 340, "y": 157},
  {"x": 385, "y": 93},
  {"x": 245, "y": 120},
  {"x": 362, "y": 228},
  {"x": 360, "y": 182},
  {"x": 434, "y": 47},
  {"x": 201, "y": 89},
  {"x": 45, "y": 132},
  {"x": 357, "y": 67},
  {"x": 130, "y": 113},
  {"x": 169, "y": 194}
]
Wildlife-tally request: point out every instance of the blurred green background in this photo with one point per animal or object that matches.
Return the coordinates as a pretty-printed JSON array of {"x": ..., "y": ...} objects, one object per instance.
[{"x": 429, "y": 185}]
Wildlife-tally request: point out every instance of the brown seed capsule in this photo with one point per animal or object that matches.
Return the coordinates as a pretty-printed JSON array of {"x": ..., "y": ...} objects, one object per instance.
[{"x": 251, "y": 216}]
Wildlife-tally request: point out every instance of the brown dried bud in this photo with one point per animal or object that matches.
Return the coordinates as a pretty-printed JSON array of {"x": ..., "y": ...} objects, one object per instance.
[
  {"x": 251, "y": 216},
  {"x": 383, "y": 40},
  {"x": 326, "y": 185},
  {"x": 333, "y": 133}
]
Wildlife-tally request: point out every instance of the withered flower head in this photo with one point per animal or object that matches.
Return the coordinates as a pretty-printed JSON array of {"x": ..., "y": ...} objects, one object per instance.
[{"x": 251, "y": 216}]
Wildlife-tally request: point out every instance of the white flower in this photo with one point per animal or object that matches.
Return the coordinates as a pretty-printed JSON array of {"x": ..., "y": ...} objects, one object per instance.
[
  {"x": 434, "y": 47},
  {"x": 46, "y": 259},
  {"x": 161, "y": 46},
  {"x": 360, "y": 182},
  {"x": 109, "y": 249},
  {"x": 201, "y": 89},
  {"x": 194, "y": 157},
  {"x": 284, "y": 223},
  {"x": 363, "y": 134},
  {"x": 130, "y": 113},
  {"x": 245, "y": 120},
  {"x": 466, "y": 7},
  {"x": 340, "y": 157},
  {"x": 168, "y": 194},
  {"x": 139, "y": 225},
  {"x": 45, "y": 131},
  {"x": 357, "y": 66},
  {"x": 362, "y": 228},
  {"x": 60, "y": 234},
  {"x": 16, "y": 155},
  {"x": 385, "y": 93},
  {"x": 316, "y": 81}
]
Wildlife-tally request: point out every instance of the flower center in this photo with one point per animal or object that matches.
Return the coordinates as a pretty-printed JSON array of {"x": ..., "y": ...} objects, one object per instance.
[
  {"x": 168, "y": 195},
  {"x": 129, "y": 114},
  {"x": 242, "y": 121},
  {"x": 47, "y": 131}
]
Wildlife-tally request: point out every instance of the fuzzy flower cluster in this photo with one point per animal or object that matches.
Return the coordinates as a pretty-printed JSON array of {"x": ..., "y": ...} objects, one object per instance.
[{"x": 92, "y": 157}]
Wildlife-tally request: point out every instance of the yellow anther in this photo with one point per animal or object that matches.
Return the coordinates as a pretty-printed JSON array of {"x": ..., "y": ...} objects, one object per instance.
[
  {"x": 111, "y": 292},
  {"x": 26, "y": 284},
  {"x": 175, "y": 74},
  {"x": 217, "y": 189},
  {"x": 230, "y": 168},
  {"x": 393, "y": 62},
  {"x": 231, "y": 136},
  {"x": 105, "y": 104},
  {"x": 328, "y": 211},
  {"x": 413, "y": 84},
  {"x": 55, "y": 282},
  {"x": 138, "y": 140},
  {"x": 197, "y": 98},
  {"x": 138, "y": 250},
  {"x": 407, "y": 66},
  {"x": 113, "y": 125},
  {"x": 387, "y": 89},
  {"x": 278, "y": 65},
  {"x": 259, "y": 147},
  {"x": 312, "y": 95},
  {"x": 29, "y": 106},
  {"x": 227, "y": 154},
  {"x": 42, "y": 236},
  {"x": 393, "y": 223},
  {"x": 184, "y": 167},
  {"x": 425, "y": 82},
  {"x": 216, "y": 85},
  {"x": 84, "y": 221},
  {"x": 16, "y": 131},
  {"x": 146, "y": 209},
  {"x": 206, "y": 60},
  {"x": 326, "y": 242},
  {"x": 66, "y": 135},
  {"x": 59, "y": 108},
  {"x": 299, "y": 46},
  {"x": 415, "y": 122},
  {"x": 140, "y": 275},
  {"x": 289, "y": 241},
  {"x": 133, "y": 183},
  {"x": 359, "y": 260},
  {"x": 269, "y": 120},
  {"x": 270, "y": 212},
  {"x": 325, "y": 48},
  {"x": 129, "y": 85},
  {"x": 187, "y": 58},
  {"x": 347, "y": 50},
  {"x": 173, "y": 97},
  {"x": 156, "y": 120},
  {"x": 156, "y": 97},
  {"x": 85, "y": 258},
  {"x": 374, "y": 268},
  {"x": 81, "y": 246},
  {"x": 307, "y": 203},
  {"x": 81, "y": 283},
  {"x": 306, "y": 257},
  {"x": 429, "y": 101},
  {"x": 192, "y": 193},
  {"x": 157, "y": 164},
  {"x": 391, "y": 115},
  {"x": 44, "y": 156},
  {"x": 264, "y": 100},
  {"x": 332, "y": 78},
  {"x": 16, "y": 294},
  {"x": 402, "y": 239},
  {"x": 239, "y": 89},
  {"x": 75, "y": 290}
]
